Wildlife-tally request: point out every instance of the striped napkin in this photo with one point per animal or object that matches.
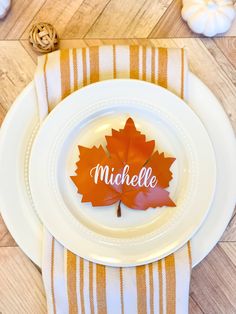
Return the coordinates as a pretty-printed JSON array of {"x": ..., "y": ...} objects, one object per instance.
[{"x": 72, "y": 284}]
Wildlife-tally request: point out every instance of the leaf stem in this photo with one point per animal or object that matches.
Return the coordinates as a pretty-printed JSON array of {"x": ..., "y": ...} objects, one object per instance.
[{"x": 119, "y": 210}]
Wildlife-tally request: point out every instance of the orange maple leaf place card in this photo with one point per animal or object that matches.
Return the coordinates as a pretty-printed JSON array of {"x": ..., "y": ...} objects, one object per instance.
[{"x": 129, "y": 171}]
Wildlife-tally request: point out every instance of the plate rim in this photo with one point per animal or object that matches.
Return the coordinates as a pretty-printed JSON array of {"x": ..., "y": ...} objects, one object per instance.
[{"x": 44, "y": 198}]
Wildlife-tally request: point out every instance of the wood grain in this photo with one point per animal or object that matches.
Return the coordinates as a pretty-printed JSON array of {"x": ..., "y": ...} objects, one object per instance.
[
  {"x": 230, "y": 233},
  {"x": 58, "y": 13},
  {"x": 16, "y": 71},
  {"x": 230, "y": 250},
  {"x": 21, "y": 284},
  {"x": 18, "y": 18},
  {"x": 226, "y": 63},
  {"x": 122, "y": 19},
  {"x": 217, "y": 294},
  {"x": 6, "y": 239},
  {"x": 83, "y": 19},
  {"x": 194, "y": 307},
  {"x": 228, "y": 46},
  {"x": 171, "y": 24},
  {"x": 84, "y": 23}
]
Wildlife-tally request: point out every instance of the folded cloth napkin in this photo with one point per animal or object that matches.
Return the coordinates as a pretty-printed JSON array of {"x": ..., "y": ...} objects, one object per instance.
[{"x": 75, "y": 285}]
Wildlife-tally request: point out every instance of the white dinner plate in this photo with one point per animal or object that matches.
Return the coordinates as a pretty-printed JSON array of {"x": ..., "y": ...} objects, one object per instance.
[
  {"x": 18, "y": 132},
  {"x": 84, "y": 118}
]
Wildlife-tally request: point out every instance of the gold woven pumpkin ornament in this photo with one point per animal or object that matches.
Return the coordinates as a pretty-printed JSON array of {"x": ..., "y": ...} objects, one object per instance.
[{"x": 43, "y": 37}]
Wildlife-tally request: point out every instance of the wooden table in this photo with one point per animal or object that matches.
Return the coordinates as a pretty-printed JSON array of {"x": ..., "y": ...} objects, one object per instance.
[{"x": 91, "y": 22}]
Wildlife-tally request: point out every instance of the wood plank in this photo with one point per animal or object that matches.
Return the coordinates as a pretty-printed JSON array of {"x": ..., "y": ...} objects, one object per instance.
[
  {"x": 124, "y": 19},
  {"x": 193, "y": 307},
  {"x": 25, "y": 12},
  {"x": 228, "y": 47},
  {"x": 230, "y": 233},
  {"x": 213, "y": 283},
  {"x": 5, "y": 236},
  {"x": 84, "y": 18},
  {"x": 221, "y": 57},
  {"x": 21, "y": 284},
  {"x": 56, "y": 12},
  {"x": 17, "y": 70},
  {"x": 18, "y": 18},
  {"x": 28, "y": 48},
  {"x": 230, "y": 249},
  {"x": 171, "y": 24}
]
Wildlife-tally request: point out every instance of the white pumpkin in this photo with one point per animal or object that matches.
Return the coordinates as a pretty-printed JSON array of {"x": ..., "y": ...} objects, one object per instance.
[
  {"x": 208, "y": 17},
  {"x": 4, "y": 7}
]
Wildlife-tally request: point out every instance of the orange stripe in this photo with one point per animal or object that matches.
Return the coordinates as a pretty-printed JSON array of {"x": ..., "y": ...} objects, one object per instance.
[
  {"x": 81, "y": 284},
  {"x": 75, "y": 67},
  {"x": 153, "y": 66},
  {"x": 84, "y": 61},
  {"x": 182, "y": 74},
  {"x": 65, "y": 72},
  {"x": 144, "y": 63},
  {"x": 114, "y": 62},
  {"x": 190, "y": 255},
  {"x": 162, "y": 67},
  {"x": 45, "y": 78},
  {"x": 101, "y": 289},
  {"x": 134, "y": 62},
  {"x": 160, "y": 287},
  {"x": 91, "y": 288},
  {"x": 52, "y": 276},
  {"x": 141, "y": 289},
  {"x": 170, "y": 284},
  {"x": 71, "y": 282},
  {"x": 121, "y": 291},
  {"x": 94, "y": 64},
  {"x": 150, "y": 268}
]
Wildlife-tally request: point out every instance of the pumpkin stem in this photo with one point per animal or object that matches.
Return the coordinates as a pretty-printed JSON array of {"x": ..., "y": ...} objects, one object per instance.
[{"x": 118, "y": 210}]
